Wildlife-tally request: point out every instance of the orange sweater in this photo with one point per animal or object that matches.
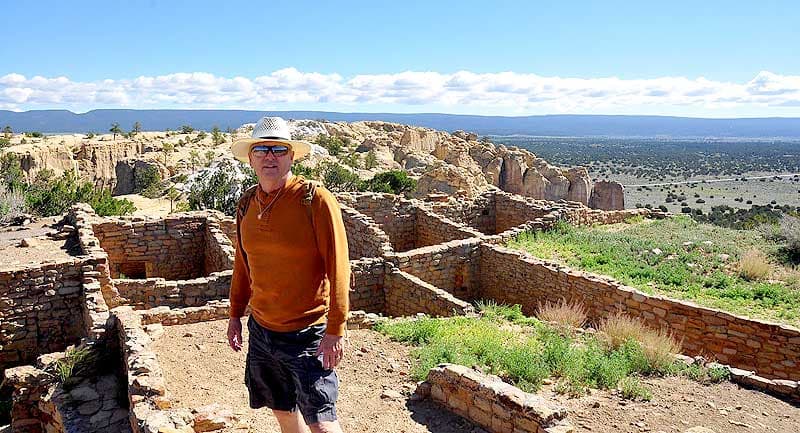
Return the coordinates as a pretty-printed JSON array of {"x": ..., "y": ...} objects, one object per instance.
[{"x": 298, "y": 272}]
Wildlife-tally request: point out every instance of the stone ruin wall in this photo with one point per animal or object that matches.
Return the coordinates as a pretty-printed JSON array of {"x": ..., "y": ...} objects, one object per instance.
[
  {"x": 393, "y": 214},
  {"x": 771, "y": 350},
  {"x": 480, "y": 213},
  {"x": 368, "y": 285},
  {"x": 172, "y": 248},
  {"x": 38, "y": 307},
  {"x": 432, "y": 229},
  {"x": 219, "y": 251},
  {"x": 364, "y": 237},
  {"x": 407, "y": 295},
  {"x": 452, "y": 266},
  {"x": 153, "y": 292},
  {"x": 493, "y": 404}
]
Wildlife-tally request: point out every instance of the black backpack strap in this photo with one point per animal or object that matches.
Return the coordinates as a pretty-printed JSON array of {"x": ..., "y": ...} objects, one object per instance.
[{"x": 241, "y": 211}]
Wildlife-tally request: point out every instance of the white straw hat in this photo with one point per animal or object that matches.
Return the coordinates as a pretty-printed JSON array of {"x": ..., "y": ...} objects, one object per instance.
[{"x": 273, "y": 129}]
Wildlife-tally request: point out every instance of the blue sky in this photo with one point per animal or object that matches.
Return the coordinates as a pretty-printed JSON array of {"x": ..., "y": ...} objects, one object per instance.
[{"x": 709, "y": 59}]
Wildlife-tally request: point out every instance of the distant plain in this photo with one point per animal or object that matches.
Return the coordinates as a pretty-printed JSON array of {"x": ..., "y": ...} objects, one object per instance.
[{"x": 694, "y": 165}]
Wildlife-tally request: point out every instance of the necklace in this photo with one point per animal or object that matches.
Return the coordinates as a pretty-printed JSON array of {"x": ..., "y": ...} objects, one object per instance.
[{"x": 264, "y": 208}]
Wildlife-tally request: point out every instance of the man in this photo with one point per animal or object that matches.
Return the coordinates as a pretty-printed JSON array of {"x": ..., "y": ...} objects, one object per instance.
[{"x": 292, "y": 269}]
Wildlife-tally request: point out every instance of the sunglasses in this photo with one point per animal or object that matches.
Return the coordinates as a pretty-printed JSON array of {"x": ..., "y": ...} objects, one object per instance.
[{"x": 262, "y": 151}]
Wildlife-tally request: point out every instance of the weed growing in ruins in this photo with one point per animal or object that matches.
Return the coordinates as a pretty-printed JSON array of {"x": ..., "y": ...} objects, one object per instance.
[
  {"x": 66, "y": 366},
  {"x": 677, "y": 257},
  {"x": 658, "y": 347},
  {"x": 703, "y": 375},
  {"x": 632, "y": 389},
  {"x": 569, "y": 314}
]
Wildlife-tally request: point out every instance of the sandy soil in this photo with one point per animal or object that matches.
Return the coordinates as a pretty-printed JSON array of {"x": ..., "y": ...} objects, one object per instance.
[
  {"x": 42, "y": 249},
  {"x": 679, "y": 404},
  {"x": 200, "y": 369}
]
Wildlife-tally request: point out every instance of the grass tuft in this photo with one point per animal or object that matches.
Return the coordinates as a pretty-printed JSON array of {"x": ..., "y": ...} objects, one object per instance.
[
  {"x": 632, "y": 389},
  {"x": 658, "y": 347},
  {"x": 571, "y": 314},
  {"x": 753, "y": 265}
]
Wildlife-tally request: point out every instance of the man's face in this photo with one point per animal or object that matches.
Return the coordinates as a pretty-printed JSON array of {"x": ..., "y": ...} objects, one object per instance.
[{"x": 269, "y": 166}]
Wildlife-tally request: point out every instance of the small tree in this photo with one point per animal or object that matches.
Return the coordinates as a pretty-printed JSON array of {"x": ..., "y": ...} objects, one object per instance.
[
  {"x": 210, "y": 155},
  {"x": 216, "y": 136},
  {"x": 194, "y": 158},
  {"x": 166, "y": 150},
  {"x": 7, "y": 132},
  {"x": 186, "y": 129},
  {"x": 115, "y": 129},
  {"x": 137, "y": 128},
  {"x": 172, "y": 195},
  {"x": 370, "y": 161}
]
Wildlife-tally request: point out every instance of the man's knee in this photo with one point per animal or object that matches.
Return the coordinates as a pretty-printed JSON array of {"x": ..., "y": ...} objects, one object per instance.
[
  {"x": 326, "y": 427},
  {"x": 285, "y": 414}
]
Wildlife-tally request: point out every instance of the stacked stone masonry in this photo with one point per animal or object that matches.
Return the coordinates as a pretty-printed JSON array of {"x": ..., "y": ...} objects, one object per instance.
[
  {"x": 493, "y": 404},
  {"x": 364, "y": 237},
  {"x": 410, "y": 295},
  {"x": 38, "y": 308},
  {"x": 153, "y": 292},
  {"x": 172, "y": 248},
  {"x": 452, "y": 266}
]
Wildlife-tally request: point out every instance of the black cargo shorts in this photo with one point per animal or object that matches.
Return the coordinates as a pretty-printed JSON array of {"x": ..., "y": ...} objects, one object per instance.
[{"x": 282, "y": 373}]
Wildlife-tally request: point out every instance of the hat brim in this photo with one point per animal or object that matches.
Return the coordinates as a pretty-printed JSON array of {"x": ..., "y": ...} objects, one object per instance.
[{"x": 241, "y": 147}]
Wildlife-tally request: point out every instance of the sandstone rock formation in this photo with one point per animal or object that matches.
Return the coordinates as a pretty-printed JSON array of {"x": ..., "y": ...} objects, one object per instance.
[
  {"x": 448, "y": 163},
  {"x": 607, "y": 196}
]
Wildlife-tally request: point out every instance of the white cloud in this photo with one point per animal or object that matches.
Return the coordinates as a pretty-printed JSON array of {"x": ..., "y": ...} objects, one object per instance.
[{"x": 463, "y": 91}]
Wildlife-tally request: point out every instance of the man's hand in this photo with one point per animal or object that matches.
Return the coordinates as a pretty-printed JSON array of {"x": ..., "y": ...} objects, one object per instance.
[
  {"x": 332, "y": 350},
  {"x": 235, "y": 333}
]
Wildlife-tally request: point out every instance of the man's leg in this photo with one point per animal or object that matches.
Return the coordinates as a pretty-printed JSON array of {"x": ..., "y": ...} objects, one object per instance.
[
  {"x": 291, "y": 422},
  {"x": 326, "y": 427}
]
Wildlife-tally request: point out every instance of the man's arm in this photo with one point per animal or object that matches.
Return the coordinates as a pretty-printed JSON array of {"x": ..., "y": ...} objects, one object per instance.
[
  {"x": 239, "y": 298},
  {"x": 332, "y": 242}
]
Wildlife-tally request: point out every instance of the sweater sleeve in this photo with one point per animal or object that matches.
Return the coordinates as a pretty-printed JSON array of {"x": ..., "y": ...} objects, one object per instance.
[
  {"x": 332, "y": 243},
  {"x": 240, "y": 285}
]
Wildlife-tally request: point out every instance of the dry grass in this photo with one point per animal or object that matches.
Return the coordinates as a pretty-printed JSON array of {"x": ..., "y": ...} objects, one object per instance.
[
  {"x": 12, "y": 204},
  {"x": 659, "y": 346},
  {"x": 754, "y": 266},
  {"x": 570, "y": 314}
]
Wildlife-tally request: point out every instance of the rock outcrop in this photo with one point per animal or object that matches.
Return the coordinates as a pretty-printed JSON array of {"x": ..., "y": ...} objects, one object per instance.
[
  {"x": 448, "y": 163},
  {"x": 94, "y": 161},
  {"x": 607, "y": 196}
]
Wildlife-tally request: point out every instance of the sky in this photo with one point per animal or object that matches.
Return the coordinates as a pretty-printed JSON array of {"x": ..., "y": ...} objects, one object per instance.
[{"x": 515, "y": 58}]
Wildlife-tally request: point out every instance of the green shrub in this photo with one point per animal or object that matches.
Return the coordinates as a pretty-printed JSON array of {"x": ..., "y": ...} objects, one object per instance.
[
  {"x": 790, "y": 233},
  {"x": 393, "y": 182},
  {"x": 34, "y": 134},
  {"x": 66, "y": 366},
  {"x": 12, "y": 204},
  {"x": 631, "y": 389},
  {"x": 371, "y": 160},
  {"x": 48, "y": 196},
  {"x": 332, "y": 143},
  {"x": 147, "y": 181},
  {"x": 221, "y": 187},
  {"x": 4, "y": 142},
  {"x": 337, "y": 178}
]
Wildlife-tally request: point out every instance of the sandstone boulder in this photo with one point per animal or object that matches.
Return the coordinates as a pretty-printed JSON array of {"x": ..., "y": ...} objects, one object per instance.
[
  {"x": 607, "y": 196},
  {"x": 450, "y": 179}
]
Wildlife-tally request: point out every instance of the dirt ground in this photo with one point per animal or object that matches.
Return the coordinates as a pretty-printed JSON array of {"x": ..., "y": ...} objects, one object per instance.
[
  {"x": 42, "y": 248},
  {"x": 200, "y": 369}
]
